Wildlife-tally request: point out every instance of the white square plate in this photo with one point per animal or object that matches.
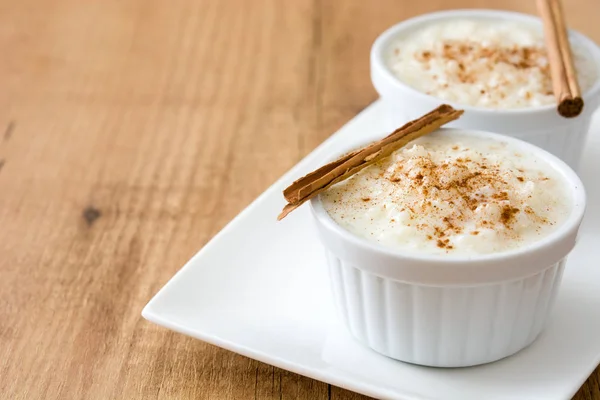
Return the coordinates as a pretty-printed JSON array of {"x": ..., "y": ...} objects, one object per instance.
[{"x": 260, "y": 288}]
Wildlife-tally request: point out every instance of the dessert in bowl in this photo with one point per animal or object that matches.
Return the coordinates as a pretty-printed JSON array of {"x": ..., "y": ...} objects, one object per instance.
[
  {"x": 449, "y": 251},
  {"x": 491, "y": 63},
  {"x": 451, "y": 193}
]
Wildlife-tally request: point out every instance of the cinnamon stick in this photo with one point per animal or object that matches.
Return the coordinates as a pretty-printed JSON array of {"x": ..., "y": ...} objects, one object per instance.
[
  {"x": 564, "y": 77},
  {"x": 317, "y": 181}
]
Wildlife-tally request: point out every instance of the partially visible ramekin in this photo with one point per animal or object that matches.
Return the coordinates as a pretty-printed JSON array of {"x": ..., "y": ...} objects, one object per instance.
[
  {"x": 449, "y": 311},
  {"x": 541, "y": 126}
]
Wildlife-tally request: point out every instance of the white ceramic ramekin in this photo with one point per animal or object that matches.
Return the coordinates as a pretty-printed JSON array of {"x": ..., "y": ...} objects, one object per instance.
[
  {"x": 449, "y": 311},
  {"x": 541, "y": 126}
]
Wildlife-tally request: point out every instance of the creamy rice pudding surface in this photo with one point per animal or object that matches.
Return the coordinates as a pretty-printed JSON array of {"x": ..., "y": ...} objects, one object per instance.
[
  {"x": 482, "y": 62},
  {"x": 452, "y": 193}
]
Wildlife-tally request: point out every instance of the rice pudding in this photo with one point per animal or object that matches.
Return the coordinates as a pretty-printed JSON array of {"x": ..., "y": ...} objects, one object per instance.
[
  {"x": 490, "y": 63},
  {"x": 452, "y": 193}
]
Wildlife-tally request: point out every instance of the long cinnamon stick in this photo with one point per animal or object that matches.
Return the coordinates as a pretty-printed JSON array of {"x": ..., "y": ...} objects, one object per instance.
[
  {"x": 315, "y": 182},
  {"x": 564, "y": 77}
]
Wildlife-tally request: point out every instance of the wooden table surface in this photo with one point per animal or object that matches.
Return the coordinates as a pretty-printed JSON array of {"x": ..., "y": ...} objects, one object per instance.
[{"x": 132, "y": 131}]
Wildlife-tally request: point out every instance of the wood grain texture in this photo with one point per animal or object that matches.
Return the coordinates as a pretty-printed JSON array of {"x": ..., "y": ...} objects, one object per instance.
[{"x": 131, "y": 131}]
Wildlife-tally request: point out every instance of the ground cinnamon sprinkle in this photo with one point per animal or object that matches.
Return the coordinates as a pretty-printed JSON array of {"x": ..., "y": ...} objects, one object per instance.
[
  {"x": 508, "y": 214},
  {"x": 458, "y": 182},
  {"x": 443, "y": 194},
  {"x": 472, "y": 60}
]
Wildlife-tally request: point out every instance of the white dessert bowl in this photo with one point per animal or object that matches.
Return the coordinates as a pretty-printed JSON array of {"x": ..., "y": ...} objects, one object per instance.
[
  {"x": 449, "y": 310},
  {"x": 542, "y": 125}
]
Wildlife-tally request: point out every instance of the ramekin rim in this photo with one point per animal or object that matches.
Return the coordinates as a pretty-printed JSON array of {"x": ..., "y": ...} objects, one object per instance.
[
  {"x": 378, "y": 47},
  {"x": 568, "y": 227}
]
